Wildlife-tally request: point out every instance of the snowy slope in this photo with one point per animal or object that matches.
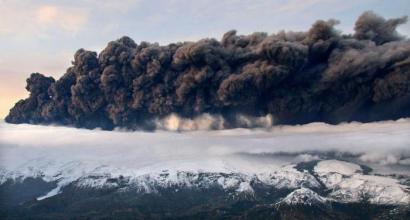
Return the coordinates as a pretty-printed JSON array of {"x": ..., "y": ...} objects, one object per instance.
[
  {"x": 148, "y": 180},
  {"x": 303, "y": 196},
  {"x": 345, "y": 184},
  {"x": 349, "y": 184}
]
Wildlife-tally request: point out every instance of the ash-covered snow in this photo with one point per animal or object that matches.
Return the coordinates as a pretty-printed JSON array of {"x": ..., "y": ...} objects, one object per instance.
[{"x": 233, "y": 160}]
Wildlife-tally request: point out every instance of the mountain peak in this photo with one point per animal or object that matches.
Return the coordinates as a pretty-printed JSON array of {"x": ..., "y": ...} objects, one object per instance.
[{"x": 303, "y": 196}]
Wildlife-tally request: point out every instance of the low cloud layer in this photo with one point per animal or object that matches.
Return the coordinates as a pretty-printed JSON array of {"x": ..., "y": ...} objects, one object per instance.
[{"x": 244, "y": 150}]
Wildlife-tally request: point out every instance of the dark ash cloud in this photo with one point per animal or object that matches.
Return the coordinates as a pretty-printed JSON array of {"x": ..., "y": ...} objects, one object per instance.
[{"x": 297, "y": 77}]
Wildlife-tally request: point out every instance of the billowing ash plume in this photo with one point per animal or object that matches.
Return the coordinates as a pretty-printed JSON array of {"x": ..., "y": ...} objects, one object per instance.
[{"x": 297, "y": 77}]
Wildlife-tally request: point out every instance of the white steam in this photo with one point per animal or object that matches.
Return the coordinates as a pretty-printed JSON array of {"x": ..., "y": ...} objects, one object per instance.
[
  {"x": 203, "y": 122},
  {"x": 210, "y": 122}
]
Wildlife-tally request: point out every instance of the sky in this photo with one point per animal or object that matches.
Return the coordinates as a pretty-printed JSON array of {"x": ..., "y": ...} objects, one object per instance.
[{"x": 42, "y": 36}]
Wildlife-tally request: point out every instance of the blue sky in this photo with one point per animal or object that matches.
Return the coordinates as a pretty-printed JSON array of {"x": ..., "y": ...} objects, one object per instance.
[{"x": 42, "y": 36}]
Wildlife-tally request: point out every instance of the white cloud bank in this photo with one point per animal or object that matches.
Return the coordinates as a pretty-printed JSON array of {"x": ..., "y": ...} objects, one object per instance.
[{"x": 221, "y": 150}]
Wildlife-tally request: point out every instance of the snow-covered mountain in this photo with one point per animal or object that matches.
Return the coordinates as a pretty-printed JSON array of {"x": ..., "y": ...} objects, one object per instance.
[
  {"x": 304, "y": 196},
  {"x": 349, "y": 184},
  {"x": 344, "y": 181},
  {"x": 286, "y": 166}
]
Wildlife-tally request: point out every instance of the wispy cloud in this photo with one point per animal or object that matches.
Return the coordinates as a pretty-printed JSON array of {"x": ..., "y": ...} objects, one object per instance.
[
  {"x": 68, "y": 19},
  {"x": 26, "y": 20},
  {"x": 296, "y": 6}
]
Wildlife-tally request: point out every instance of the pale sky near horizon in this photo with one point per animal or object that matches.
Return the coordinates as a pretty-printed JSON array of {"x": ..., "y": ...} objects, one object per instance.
[{"x": 42, "y": 36}]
